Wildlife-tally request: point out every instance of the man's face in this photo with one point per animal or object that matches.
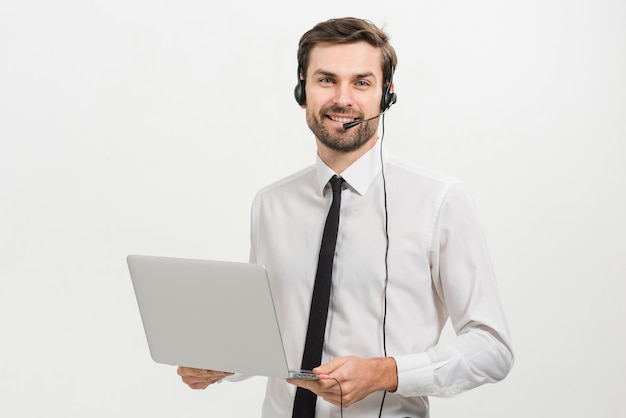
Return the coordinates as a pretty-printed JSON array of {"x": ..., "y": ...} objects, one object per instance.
[{"x": 343, "y": 84}]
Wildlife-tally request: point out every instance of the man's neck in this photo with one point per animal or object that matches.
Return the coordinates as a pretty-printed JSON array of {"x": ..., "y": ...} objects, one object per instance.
[{"x": 339, "y": 161}]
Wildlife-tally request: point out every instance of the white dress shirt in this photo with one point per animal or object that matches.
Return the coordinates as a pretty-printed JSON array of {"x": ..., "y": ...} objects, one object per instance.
[{"x": 438, "y": 268}]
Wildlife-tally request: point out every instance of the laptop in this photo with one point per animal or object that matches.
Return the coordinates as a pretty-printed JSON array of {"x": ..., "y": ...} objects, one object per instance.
[{"x": 210, "y": 314}]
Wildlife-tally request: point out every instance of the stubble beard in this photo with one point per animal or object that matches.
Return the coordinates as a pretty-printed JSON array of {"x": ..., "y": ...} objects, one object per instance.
[{"x": 344, "y": 140}]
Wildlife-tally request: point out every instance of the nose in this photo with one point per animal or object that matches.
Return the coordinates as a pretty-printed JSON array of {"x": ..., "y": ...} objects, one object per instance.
[{"x": 344, "y": 95}]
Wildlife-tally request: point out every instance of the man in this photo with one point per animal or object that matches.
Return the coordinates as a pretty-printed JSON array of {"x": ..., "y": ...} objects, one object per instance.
[{"x": 409, "y": 253}]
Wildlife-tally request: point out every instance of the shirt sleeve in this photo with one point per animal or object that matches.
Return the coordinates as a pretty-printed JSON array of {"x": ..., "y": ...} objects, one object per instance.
[
  {"x": 463, "y": 277},
  {"x": 252, "y": 257}
]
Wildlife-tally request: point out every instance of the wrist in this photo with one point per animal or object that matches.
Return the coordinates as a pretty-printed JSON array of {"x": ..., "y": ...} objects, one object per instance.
[{"x": 387, "y": 371}]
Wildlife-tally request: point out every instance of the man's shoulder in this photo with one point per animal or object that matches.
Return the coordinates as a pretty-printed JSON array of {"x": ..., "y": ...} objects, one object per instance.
[
  {"x": 421, "y": 173},
  {"x": 297, "y": 180}
]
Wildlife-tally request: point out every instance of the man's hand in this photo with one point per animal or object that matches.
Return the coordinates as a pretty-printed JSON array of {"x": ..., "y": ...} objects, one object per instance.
[
  {"x": 357, "y": 376},
  {"x": 200, "y": 378}
]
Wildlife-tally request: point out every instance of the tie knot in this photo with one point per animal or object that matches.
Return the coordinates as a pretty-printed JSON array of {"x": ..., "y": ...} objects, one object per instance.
[{"x": 335, "y": 183}]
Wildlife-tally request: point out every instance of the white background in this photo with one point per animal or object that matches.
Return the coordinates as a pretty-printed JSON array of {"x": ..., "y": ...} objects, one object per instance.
[{"x": 122, "y": 123}]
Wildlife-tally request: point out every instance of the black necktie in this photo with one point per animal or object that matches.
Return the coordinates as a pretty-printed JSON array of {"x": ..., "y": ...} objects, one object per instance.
[{"x": 304, "y": 403}]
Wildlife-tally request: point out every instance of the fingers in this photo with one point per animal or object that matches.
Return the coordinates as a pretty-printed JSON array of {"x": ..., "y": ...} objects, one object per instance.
[
  {"x": 326, "y": 387},
  {"x": 200, "y": 378}
]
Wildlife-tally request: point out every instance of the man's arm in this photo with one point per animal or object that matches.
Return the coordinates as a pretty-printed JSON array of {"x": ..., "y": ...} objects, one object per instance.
[{"x": 463, "y": 278}]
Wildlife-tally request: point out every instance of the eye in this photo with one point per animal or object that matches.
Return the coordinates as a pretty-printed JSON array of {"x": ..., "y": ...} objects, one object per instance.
[
  {"x": 362, "y": 84},
  {"x": 326, "y": 80}
]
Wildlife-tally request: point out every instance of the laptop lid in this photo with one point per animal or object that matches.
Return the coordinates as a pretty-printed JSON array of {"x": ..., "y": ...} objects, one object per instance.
[{"x": 209, "y": 314}]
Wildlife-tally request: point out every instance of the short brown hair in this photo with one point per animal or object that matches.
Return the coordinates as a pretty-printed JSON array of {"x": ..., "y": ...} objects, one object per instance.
[{"x": 347, "y": 30}]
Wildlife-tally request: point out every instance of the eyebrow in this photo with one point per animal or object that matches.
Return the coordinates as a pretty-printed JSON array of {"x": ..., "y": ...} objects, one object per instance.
[{"x": 324, "y": 73}]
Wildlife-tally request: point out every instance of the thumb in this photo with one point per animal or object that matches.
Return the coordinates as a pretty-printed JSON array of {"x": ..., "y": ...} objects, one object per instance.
[{"x": 328, "y": 368}]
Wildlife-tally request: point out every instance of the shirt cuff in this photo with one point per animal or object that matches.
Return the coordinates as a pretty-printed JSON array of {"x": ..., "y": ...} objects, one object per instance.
[{"x": 415, "y": 375}]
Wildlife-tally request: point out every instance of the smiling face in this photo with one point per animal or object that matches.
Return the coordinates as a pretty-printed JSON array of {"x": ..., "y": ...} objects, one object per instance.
[{"x": 344, "y": 84}]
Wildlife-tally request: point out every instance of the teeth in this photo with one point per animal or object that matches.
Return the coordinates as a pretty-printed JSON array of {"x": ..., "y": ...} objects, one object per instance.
[{"x": 341, "y": 120}]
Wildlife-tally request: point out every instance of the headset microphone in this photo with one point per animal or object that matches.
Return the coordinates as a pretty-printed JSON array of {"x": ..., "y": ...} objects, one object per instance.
[
  {"x": 349, "y": 125},
  {"x": 389, "y": 98}
]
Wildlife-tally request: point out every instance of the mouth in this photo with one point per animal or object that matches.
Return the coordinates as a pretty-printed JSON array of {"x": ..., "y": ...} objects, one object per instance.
[{"x": 341, "y": 119}]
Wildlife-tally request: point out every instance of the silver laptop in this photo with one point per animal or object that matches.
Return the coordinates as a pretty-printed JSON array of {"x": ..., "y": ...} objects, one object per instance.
[{"x": 208, "y": 314}]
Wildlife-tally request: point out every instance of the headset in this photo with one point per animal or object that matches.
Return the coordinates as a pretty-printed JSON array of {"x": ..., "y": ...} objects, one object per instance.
[{"x": 388, "y": 98}]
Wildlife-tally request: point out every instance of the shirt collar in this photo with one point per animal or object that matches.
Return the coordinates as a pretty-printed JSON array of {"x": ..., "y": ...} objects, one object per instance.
[{"x": 359, "y": 175}]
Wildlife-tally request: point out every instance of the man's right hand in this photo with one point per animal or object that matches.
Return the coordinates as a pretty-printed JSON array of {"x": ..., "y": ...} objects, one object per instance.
[{"x": 200, "y": 378}]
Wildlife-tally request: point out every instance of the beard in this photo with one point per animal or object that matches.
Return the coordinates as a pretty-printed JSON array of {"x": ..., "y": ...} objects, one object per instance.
[{"x": 340, "y": 140}]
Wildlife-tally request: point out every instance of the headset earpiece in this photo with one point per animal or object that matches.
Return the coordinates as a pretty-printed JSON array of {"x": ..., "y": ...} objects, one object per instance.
[
  {"x": 389, "y": 97},
  {"x": 299, "y": 92}
]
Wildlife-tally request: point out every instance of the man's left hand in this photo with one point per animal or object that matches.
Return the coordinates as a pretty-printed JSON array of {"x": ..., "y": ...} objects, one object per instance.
[{"x": 357, "y": 376}]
